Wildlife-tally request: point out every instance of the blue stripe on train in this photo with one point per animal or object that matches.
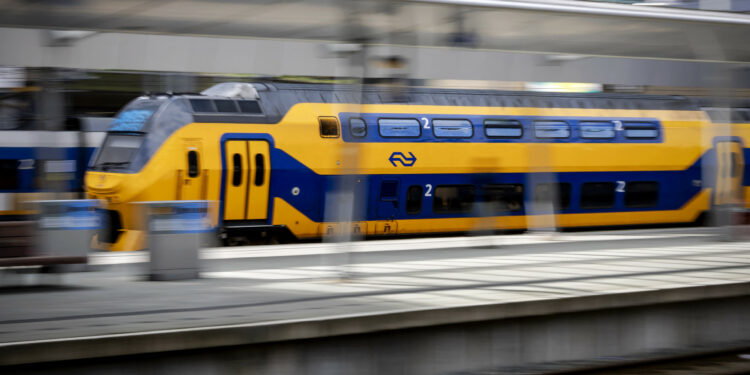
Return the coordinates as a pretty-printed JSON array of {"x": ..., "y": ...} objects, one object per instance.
[
  {"x": 30, "y": 171},
  {"x": 675, "y": 188}
]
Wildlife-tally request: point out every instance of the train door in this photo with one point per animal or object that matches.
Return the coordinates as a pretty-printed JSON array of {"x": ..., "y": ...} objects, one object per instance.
[
  {"x": 247, "y": 180},
  {"x": 236, "y": 177},
  {"x": 729, "y": 169},
  {"x": 260, "y": 180},
  {"x": 190, "y": 178},
  {"x": 387, "y": 206}
]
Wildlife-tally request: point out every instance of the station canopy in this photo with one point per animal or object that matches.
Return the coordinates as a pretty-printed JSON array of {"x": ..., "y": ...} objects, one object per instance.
[{"x": 535, "y": 26}]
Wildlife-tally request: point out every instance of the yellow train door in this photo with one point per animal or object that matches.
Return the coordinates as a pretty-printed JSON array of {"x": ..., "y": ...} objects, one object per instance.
[
  {"x": 260, "y": 172},
  {"x": 730, "y": 167},
  {"x": 191, "y": 176},
  {"x": 236, "y": 177},
  {"x": 247, "y": 180}
]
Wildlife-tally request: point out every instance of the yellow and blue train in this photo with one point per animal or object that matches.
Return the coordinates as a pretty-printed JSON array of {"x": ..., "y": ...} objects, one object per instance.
[{"x": 283, "y": 157}]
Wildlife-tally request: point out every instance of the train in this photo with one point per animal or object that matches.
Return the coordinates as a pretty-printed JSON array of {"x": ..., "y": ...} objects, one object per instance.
[
  {"x": 37, "y": 163},
  {"x": 316, "y": 160}
]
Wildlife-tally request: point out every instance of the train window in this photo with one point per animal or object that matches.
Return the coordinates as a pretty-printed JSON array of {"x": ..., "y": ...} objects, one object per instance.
[
  {"x": 597, "y": 129},
  {"x": 358, "y": 127},
  {"x": 551, "y": 129},
  {"x": 543, "y": 193},
  {"x": 260, "y": 169},
  {"x": 452, "y": 128},
  {"x": 642, "y": 194},
  {"x": 193, "y": 168},
  {"x": 202, "y": 105},
  {"x": 503, "y": 129},
  {"x": 399, "y": 127},
  {"x": 389, "y": 190},
  {"x": 505, "y": 197},
  {"x": 329, "y": 127},
  {"x": 249, "y": 106},
  {"x": 641, "y": 130},
  {"x": 598, "y": 195},
  {"x": 719, "y": 115},
  {"x": 735, "y": 168},
  {"x": 237, "y": 170},
  {"x": 9, "y": 171},
  {"x": 741, "y": 115},
  {"x": 453, "y": 198},
  {"x": 414, "y": 199},
  {"x": 226, "y": 105},
  {"x": 117, "y": 152}
]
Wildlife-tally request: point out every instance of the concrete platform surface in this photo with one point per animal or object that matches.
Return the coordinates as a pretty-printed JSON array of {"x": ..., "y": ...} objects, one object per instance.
[{"x": 271, "y": 293}]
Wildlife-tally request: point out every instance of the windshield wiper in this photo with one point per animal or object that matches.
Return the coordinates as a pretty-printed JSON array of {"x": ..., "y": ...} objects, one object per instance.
[{"x": 112, "y": 164}]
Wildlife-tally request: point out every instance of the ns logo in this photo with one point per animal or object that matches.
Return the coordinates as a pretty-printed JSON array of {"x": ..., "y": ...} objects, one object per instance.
[{"x": 403, "y": 159}]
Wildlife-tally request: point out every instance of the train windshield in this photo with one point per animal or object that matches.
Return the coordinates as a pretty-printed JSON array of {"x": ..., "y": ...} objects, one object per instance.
[
  {"x": 138, "y": 131},
  {"x": 118, "y": 151}
]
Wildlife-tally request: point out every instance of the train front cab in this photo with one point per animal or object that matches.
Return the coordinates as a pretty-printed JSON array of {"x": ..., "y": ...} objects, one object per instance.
[
  {"x": 141, "y": 161},
  {"x": 159, "y": 149}
]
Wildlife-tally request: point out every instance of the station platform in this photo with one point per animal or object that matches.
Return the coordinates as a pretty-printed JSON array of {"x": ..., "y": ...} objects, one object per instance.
[{"x": 250, "y": 296}]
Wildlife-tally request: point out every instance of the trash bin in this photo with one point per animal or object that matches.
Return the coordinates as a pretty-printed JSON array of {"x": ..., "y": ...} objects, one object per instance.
[
  {"x": 66, "y": 228},
  {"x": 176, "y": 230}
]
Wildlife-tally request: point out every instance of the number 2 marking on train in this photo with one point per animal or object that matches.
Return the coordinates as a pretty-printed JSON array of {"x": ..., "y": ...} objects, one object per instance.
[
  {"x": 426, "y": 122},
  {"x": 620, "y": 187},
  {"x": 428, "y": 193},
  {"x": 618, "y": 125}
]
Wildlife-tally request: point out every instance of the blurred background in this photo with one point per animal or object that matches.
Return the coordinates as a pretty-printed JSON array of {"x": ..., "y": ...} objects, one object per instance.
[
  {"x": 67, "y": 67},
  {"x": 66, "y": 63}
]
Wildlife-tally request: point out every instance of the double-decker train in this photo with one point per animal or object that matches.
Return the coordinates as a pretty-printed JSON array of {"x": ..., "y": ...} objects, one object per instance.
[
  {"x": 37, "y": 163},
  {"x": 283, "y": 158}
]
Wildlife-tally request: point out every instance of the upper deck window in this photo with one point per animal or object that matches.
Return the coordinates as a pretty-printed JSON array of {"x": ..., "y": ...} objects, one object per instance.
[
  {"x": 551, "y": 129},
  {"x": 399, "y": 127},
  {"x": 329, "y": 127},
  {"x": 496, "y": 128},
  {"x": 202, "y": 105},
  {"x": 641, "y": 130},
  {"x": 357, "y": 127},
  {"x": 597, "y": 129},
  {"x": 452, "y": 128}
]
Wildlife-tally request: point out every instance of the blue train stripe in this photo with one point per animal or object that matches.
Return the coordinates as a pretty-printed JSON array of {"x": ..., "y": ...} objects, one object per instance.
[
  {"x": 676, "y": 188},
  {"x": 26, "y": 174}
]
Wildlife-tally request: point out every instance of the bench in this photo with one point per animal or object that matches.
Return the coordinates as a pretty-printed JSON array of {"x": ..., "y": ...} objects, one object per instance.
[{"x": 18, "y": 248}]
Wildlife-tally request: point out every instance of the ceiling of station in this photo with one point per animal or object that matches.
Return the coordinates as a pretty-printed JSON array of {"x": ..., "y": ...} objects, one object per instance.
[{"x": 543, "y": 26}]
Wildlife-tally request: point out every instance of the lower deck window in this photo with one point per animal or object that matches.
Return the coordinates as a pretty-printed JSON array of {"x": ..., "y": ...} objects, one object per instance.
[
  {"x": 642, "y": 194},
  {"x": 414, "y": 199},
  {"x": 453, "y": 198},
  {"x": 557, "y": 193},
  {"x": 505, "y": 197},
  {"x": 598, "y": 195},
  {"x": 9, "y": 173}
]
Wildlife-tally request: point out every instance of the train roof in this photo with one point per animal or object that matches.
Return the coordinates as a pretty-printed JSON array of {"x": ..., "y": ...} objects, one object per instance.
[{"x": 276, "y": 99}]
